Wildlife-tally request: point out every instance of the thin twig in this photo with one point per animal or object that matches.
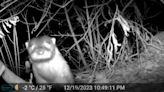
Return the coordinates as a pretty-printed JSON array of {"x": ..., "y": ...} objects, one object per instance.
[{"x": 7, "y": 6}]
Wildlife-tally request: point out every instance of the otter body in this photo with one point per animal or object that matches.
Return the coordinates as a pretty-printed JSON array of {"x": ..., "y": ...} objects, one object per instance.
[{"x": 48, "y": 64}]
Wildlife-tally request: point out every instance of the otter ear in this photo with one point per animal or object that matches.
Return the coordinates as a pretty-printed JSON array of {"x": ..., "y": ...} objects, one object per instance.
[
  {"x": 53, "y": 40},
  {"x": 26, "y": 44}
]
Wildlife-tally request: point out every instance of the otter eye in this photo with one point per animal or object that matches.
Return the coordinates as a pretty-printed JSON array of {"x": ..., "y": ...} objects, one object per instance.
[{"x": 49, "y": 41}]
